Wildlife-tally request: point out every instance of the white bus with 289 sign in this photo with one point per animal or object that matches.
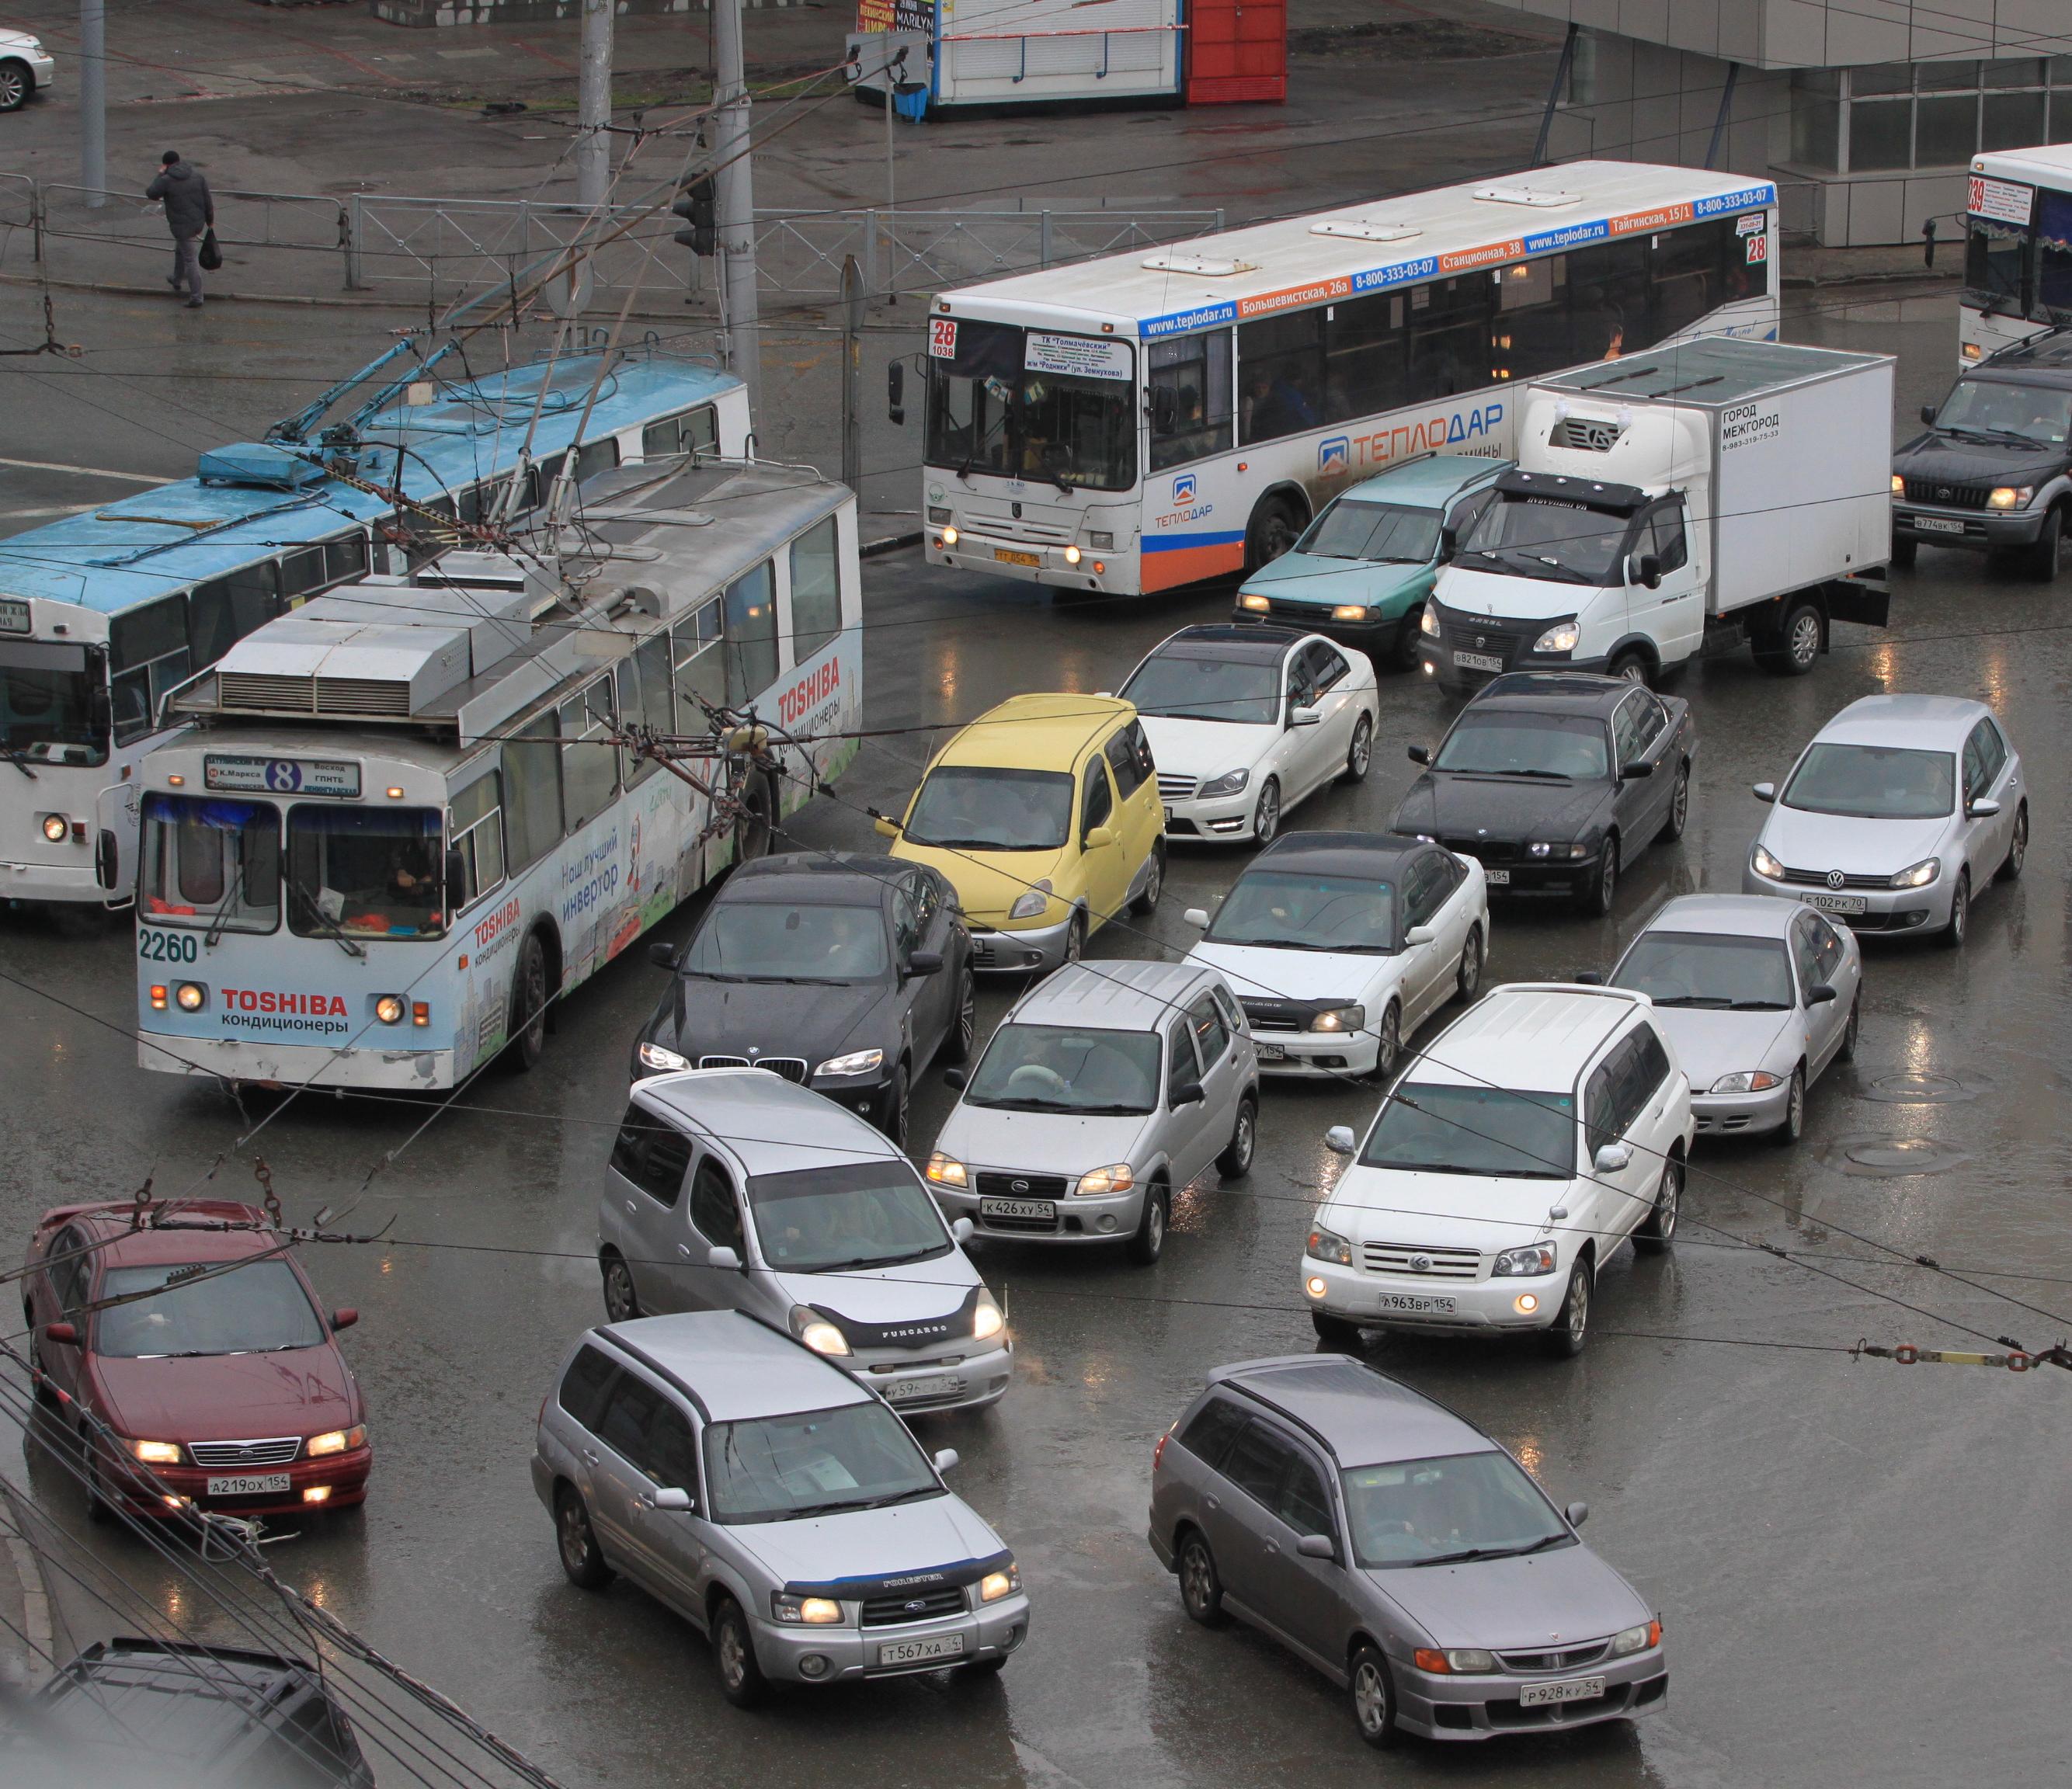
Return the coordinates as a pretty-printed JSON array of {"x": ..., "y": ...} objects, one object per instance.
[
  {"x": 406, "y": 818},
  {"x": 1143, "y": 421}
]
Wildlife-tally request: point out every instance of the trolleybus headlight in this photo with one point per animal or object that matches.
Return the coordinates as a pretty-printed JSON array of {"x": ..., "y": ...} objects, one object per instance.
[
  {"x": 56, "y": 826},
  {"x": 1071, "y": 555},
  {"x": 949, "y": 537},
  {"x": 192, "y": 996},
  {"x": 389, "y": 1009}
]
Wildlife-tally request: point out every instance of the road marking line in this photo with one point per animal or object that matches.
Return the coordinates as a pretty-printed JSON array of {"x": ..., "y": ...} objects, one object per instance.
[{"x": 86, "y": 471}]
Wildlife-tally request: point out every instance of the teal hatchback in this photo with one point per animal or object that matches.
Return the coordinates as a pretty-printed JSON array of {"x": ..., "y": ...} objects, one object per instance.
[{"x": 1362, "y": 570}]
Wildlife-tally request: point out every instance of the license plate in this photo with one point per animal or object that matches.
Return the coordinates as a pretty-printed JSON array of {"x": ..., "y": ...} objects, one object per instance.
[
  {"x": 901, "y": 1390},
  {"x": 1496, "y": 879},
  {"x": 248, "y": 1484},
  {"x": 937, "y": 1646},
  {"x": 1271, "y": 1052},
  {"x": 1477, "y": 661},
  {"x": 1008, "y": 556},
  {"x": 1017, "y": 1208},
  {"x": 1834, "y": 904},
  {"x": 1938, "y": 524},
  {"x": 1577, "y": 1690},
  {"x": 1411, "y": 1301}
]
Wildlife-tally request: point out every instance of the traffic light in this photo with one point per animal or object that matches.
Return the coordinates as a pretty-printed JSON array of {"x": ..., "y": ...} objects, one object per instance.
[{"x": 696, "y": 203}]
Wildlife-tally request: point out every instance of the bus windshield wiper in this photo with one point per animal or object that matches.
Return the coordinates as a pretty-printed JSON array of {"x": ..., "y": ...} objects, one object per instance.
[
  {"x": 331, "y": 929},
  {"x": 20, "y": 763},
  {"x": 221, "y": 917}
]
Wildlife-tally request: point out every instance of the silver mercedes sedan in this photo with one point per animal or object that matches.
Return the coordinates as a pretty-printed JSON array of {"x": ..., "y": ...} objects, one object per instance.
[{"x": 1758, "y": 995}]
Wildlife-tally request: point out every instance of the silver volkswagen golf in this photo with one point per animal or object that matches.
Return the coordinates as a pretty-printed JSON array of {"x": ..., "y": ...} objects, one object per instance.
[
  {"x": 774, "y": 1503},
  {"x": 1399, "y": 1550}
]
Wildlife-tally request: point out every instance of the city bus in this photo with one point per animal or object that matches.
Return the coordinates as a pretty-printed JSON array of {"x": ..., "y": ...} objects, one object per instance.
[
  {"x": 405, "y": 819},
  {"x": 106, "y": 613},
  {"x": 2017, "y": 249},
  {"x": 1146, "y": 419}
]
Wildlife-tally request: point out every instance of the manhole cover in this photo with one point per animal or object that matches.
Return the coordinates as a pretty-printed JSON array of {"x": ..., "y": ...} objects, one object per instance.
[
  {"x": 1892, "y": 1156},
  {"x": 1923, "y": 1090}
]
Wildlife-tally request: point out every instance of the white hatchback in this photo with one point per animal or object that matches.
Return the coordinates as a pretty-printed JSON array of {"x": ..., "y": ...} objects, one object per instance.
[
  {"x": 1245, "y": 721},
  {"x": 1544, "y": 1127}
]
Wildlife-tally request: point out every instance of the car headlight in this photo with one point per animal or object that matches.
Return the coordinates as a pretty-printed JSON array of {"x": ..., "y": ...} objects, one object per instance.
[
  {"x": 1748, "y": 1081},
  {"x": 1636, "y": 1640},
  {"x": 2010, "y": 496},
  {"x": 946, "y": 1170},
  {"x": 1350, "y": 612},
  {"x": 809, "y": 1611},
  {"x": 1338, "y": 1019},
  {"x": 817, "y": 1332},
  {"x": 157, "y": 1453},
  {"x": 1430, "y": 623},
  {"x": 1231, "y": 783},
  {"x": 1534, "y": 1258},
  {"x": 1002, "y": 1583},
  {"x": 1031, "y": 903},
  {"x": 856, "y": 1062},
  {"x": 1255, "y": 603},
  {"x": 1328, "y": 1246},
  {"x": 988, "y": 1320},
  {"x": 1560, "y": 637},
  {"x": 653, "y": 1055},
  {"x": 1898, "y": 486},
  {"x": 336, "y": 1441},
  {"x": 1471, "y": 1659},
  {"x": 1117, "y": 1177},
  {"x": 1920, "y": 875},
  {"x": 1538, "y": 848},
  {"x": 1765, "y": 864}
]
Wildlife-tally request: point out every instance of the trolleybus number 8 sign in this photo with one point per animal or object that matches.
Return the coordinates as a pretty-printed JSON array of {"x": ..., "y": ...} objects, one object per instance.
[{"x": 254, "y": 776}]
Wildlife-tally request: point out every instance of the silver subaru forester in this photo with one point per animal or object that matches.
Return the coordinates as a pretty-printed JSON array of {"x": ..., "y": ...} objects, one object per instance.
[{"x": 777, "y": 1505}]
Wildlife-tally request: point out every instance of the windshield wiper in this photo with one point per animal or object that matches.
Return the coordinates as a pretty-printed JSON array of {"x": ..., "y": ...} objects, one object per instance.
[
  {"x": 331, "y": 928},
  {"x": 2014, "y": 435},
  {"x": 1761, "y": 1006},
  {"x": 20, "y": 763},
  {"x": 1490, "y": 1553},
  {"x": 1717, "y": 1002},
  {"x": 713, "y": 975},
  {"x": 900, "y": 1497},
  {"x": 221, "y": 917},
  {"x": 1558, "y": 776}
]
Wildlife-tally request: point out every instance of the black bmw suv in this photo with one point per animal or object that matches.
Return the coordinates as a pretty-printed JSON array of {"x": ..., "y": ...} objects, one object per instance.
[{"x": 1990, "y": 474}]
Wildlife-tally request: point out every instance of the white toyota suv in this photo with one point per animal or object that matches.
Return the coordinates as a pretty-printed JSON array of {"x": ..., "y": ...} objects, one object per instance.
[{"x": 1540, "y": 1131}]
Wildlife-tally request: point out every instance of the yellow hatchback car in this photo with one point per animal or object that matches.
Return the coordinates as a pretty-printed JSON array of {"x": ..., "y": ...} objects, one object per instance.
[{"x": 1044, "y": 814}]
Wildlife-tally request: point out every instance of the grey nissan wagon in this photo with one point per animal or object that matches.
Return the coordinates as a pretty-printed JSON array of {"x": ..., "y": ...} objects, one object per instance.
[
  {"x": 773, "y": 1503},
  {"x": 1399, "y": 1550}
]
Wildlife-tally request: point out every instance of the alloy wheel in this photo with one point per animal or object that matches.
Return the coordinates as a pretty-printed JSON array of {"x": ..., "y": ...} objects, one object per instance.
[
  {"x": 1389, "y": 1043},
  {"x": 1801, "y": 643},
  {"x": 1578, "y": 1324},
  {"x": 1200, "y": 1595},
  {"x": 1680, "y": 804},
  {"x": 1076, "y": 938},
  {"x": 2018, "y": 845},
  {"x": 1266, "y": 817},
  {"x": 1361, "y": 753},
  {"x": 621, "y": 1302},
  {"x": 1470, "y": 978},
  {"x": 967, "y": 1019},
  {"x": 13, "y": 87}
]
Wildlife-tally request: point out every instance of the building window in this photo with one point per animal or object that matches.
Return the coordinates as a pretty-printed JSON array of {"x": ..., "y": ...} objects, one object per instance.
[{"x": 1897, "y": 115}]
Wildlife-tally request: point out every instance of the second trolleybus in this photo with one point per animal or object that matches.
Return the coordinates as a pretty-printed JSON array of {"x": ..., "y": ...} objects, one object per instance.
[{"x": 2017, "y": 249}]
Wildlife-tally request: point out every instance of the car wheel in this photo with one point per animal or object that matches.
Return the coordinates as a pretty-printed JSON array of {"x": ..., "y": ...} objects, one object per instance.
[
  {"x": 45, "y": 1395},
  {"x": 964, "y": 1032},
  {"x": 898, "y": 1102},
  {"x": 2017, "y": 846},
  {"x": 1658, "y": 1230},
  {"x": 741, "y": 1679},
  {"x": 1266, "y": 817},
  {"x": 1075, "y": 938},
  {"x": 1201, "y": 1588},
  {"x": 582, "y": 1560},
  {"x": 1903, "y": 553},
  {"x": 16, "y": 84},
  {"x": 1388, "y": 1041},
  {"x": 1846, "y": 1050},
  {"x": 1359, "y": 755},
  {"x": 622, "y": 1301},
  {"x": 1629, "y": 667},
  {"x": 1374, "y": 1699},
  {"x": 1403, "y": 655},
  {"x": 1959, "y": 921},
  {"x": 1236, "y": 1161},
  {"x": 1154, "y": 883},
  {"x": 1469, "y": 981},
  {"x": 98, "y": 1510},
  {"x": 1797, "y": 646},
  {"x": 1571, "y": 1323},
  {"x": 1148, "y": 1243},
  {"x": 1793, "y": 1127},
  {"x": 1680, "y": 806},
  {"x": 2047, "y": 555},
  {"x": 1334, "y": 1332},
  {"x": 1596, "y": 897},
  {"x": 529, "y": 1007}
]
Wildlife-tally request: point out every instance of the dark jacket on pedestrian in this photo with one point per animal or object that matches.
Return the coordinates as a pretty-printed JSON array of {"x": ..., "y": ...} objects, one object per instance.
[{"x": 189, "y": 208}]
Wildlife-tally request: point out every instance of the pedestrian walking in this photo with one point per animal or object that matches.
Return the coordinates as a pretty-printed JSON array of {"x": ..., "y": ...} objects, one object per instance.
[{"x": 190, "y": 214}]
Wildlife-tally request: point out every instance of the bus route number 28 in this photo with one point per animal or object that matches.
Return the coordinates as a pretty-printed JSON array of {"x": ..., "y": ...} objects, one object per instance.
[{"x": 165, "y": 946}]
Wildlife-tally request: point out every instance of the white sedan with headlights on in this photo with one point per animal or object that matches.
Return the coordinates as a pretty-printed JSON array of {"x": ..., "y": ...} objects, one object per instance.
[
  {"x": 1339, "y": 945},
  {"x": 1246, "y": 721}
]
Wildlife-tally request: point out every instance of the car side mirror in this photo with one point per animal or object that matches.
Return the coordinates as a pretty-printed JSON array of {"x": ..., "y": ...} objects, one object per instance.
[
  {"x": 1098, "y": 838},
  {"x": 1983, "y": 809},
  {"x": 456, "y": 874},
  {"x": 1450, "y": 542},
  {"x": 1419, "y": 754},
  {"x": 946, "y": 1459},
  {"x": 662, "y": 954},
  {"x": 722, "y": 1257},
  {"x": 1198, "y": 917},
  {"x": 673, "y": 1497},
  {"x": 1184, "y": 1093},
  {"x": 924, "y": 962},
  {"x": 895, "y": 392},
  {"x": 955, "y": 1079},
  {"x": 1764, "y": 791},
  {"x": 1928, "y": 412},
  {"x": 1650, "y": 571},
  {"x": 1612, "y": 1158},
  {"x": 1633, "y": 772},
  {"x": 1419, "y": 934},
  {"x": 344, "y": 1318},
  {"x": 1577, "y": 1514},
  {"x": 1819, "y": 996},
  {"x": 1304, "y": 717},
  {"x": 1340, "y": 1140},
  {"x": 100, "y": 710},
  {"x": 66, "y": 1333},
  {"x": 962, "y": 1231},
  {"x": 886, "y": 829},
  {"x": 1588, "y": 978},
  {"x": 1316, "y": 1546}
]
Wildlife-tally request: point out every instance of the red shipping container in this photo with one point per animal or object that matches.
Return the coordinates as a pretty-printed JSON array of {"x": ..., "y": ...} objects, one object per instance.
[{"x": 1237, "y": 52}]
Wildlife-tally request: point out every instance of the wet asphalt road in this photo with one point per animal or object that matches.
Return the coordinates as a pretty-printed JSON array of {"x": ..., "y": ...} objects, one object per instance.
[{"x": 1860, "y": 1566}]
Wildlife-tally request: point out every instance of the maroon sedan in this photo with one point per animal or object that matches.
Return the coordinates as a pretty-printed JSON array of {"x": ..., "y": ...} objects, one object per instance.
[{"x": 215, "y": 1376}]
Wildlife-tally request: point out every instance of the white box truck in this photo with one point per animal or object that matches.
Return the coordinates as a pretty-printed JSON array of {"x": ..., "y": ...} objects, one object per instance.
[{"x": 1680, "y": 500}]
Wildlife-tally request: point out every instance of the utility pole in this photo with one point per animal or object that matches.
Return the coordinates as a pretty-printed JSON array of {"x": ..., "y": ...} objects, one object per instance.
[
  {"x": 853, "y": 296},
  {"x": 592, "y": 139},
  {"x": 92, "y": 101},
  {"x": 734, "y": 190}
]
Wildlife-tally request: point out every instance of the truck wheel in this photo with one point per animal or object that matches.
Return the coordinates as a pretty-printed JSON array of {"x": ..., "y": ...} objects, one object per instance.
[
  {"x": 1795, "y": 647},
  {"x": 2045, "y": 556},
  {"x": 1272, "y": 531},
  {"x": 1904, "y": 553}
]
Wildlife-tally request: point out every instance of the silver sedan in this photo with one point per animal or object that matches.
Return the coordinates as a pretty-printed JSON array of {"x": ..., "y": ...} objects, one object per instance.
[{"x": 1759, "y": 995}]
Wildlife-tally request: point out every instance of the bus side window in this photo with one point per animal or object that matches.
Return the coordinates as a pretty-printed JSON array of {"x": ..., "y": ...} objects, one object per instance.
[
  {"x": 816, "y": 590},
  {"x": 532, "y": 791},
  {"x": 221, "y": 612},
  {"x": 1280, "y": 369},
  {"x": 147, "y": 654},
  {"x": 700, "y": 671},
  {"x": 642, "y": 679},
  {"x": 1189, "y": 379},
  {"x": 1530, "y": 332},
  {"x": 751, "y": 635},
  {"x": 1449, "y": 337},
  {"x": 345, "y": 559},
  {"x": 589, "y": 755},
  {"x": 1608, "y": 308},
  {"x": 478, "y": 837},
  {"x": 595, "y": 457},
  {"x": 1364, "y": 357},
  {"x": 1687, "y": 273},
  {"x": 302, "y": 573}
]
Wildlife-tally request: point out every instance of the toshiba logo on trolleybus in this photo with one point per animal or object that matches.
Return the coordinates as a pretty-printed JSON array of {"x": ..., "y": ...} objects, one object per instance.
[{"x": 814, "y": 687}]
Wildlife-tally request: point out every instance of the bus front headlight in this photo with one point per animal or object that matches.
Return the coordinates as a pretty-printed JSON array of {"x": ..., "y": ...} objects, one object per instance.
[
  {"x": 56, "y": 826},
  {"x": 389, "y": 1009},
  {"x": 192, "y": 996}
]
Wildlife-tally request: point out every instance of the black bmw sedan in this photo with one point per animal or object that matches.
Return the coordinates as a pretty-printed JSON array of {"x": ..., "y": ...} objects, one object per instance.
[
  {"x": 1554, "y": 780},
  {"x": 845, "y": 973}
]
